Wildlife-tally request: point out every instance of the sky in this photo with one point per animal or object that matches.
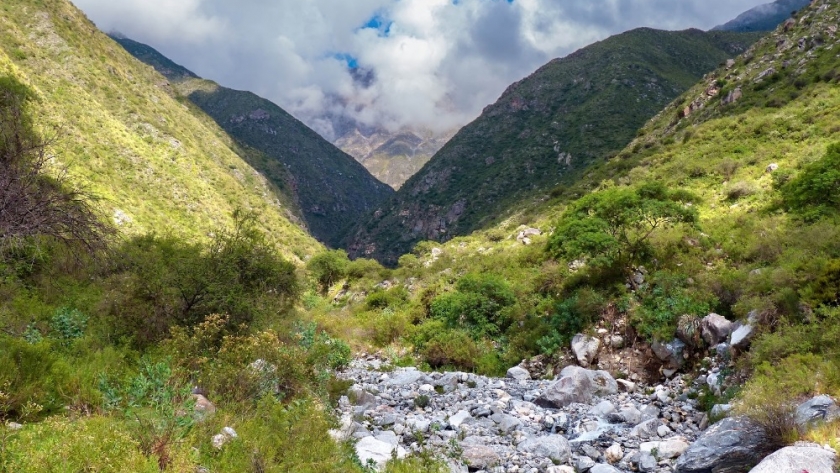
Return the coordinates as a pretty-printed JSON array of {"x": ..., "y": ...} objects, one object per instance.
[{"x": 422, "y": 64}]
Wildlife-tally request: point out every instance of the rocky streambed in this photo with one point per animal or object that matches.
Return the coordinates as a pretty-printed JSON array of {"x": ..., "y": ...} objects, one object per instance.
[
  {"x": 586, "y": 421},
  {"x": 583, "y": 421}
]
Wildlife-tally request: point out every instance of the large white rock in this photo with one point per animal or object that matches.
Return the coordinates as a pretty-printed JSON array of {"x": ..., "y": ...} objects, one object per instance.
[
  {"x": 480, "y": 457},
  {"x": 801, "y": 457},
  {"x": 585, "y": 349},
  {"x": 459, "y": 418},
  {"x": 742, "y": 336},
  {"x": 370, "y": 449},
  {"x": 671, "y": 448}
]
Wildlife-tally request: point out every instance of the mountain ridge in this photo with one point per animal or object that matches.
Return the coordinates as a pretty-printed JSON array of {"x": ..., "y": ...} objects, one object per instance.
[
  {"x": 331, "y": 187},
  {"x": 543, "y": 131},
  {"x": 763, "y": 17}
]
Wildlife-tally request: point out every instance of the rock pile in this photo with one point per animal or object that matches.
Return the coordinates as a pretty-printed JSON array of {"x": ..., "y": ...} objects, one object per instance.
[{"x": 583, "y": 420}]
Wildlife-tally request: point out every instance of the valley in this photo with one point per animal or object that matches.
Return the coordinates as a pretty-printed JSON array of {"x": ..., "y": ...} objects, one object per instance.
[{"x": 629, "y": 263}]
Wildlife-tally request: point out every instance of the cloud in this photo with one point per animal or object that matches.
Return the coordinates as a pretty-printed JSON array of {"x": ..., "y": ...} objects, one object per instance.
[{"x": 427, "y": 63}]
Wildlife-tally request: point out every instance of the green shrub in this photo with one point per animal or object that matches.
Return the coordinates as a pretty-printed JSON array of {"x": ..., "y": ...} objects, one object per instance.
[
  {"x": 32, "y": 378},
  {"x": 569, "y": 317},
  {"x": 815, "y": 192},
  {"x": 68, "y": 324},
  {"x": 668, "y": 298},
  {"x": 328, "y": 267},
  {"x": 85, "y": 444},
  {"x": 158, "y": 282},
  {"x": 480, "y": 304},
  {"x": 452, "y": 348}
]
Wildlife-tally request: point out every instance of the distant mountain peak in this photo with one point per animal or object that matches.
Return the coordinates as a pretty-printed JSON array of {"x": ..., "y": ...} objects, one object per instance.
[{"x": 764, "y": 17}]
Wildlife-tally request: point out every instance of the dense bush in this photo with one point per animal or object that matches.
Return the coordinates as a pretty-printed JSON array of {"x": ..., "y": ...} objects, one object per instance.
[
  {"x": 158, "y": 282},
  {"x": 480, "y": 304},
  {"x": 667, "y": 299},
  {"x": 815, "y": 192}
]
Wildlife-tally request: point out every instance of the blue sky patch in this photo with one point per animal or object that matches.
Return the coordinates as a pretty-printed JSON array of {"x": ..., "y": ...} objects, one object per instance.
[{"x": 352, "y": 62}]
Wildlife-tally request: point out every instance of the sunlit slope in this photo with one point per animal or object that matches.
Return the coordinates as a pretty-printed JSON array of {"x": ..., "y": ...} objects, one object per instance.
[{"x": 158, "y": 164}]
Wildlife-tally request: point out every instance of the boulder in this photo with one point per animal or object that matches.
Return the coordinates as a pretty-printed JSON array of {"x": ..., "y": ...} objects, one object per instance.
[
  {"x": 459, "y": 418},
  {"x": 817, "y": 409},
  {"x": 647, "y": 462},
  {"x": 360, "y": 397},
  {"x": 604, "y": 468},
  {"x": 671, "y": 448},
  {"x": 376, "y": 451},
  {"x": 554, "y": 447},
  {"x": 585, "y": 349},
  {"x": 603, "y": 383},
  {"x": 560, "y": 469},
  {"x": 742, "y": 336},
  {"x": 732, "y": 445},
  {"x": 480, "y": 457},
  {"x": 226, "y": 435},
  {"x": 614, "y": 453},
  {"x": 575, "y": 387},
  {"x": 405, "y": 377},
  {"x": 670, "y": 353},
  {"x": 519, "y": 374},
  {"x": 715, "y": 329},
  {"x": 802, "y": 457},
  {"x": 203, "y": 407}
]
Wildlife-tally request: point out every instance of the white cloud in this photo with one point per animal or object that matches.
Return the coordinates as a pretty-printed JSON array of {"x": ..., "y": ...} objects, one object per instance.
[{"x": 439, "y": 64}]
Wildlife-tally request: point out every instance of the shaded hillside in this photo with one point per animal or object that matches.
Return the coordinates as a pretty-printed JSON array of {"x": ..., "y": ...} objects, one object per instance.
[
  {"x": 542, "y": 132},
  {"x": 764, "y": 17},
  {"x": 158, "y": 165},
  {"x": 332, "y": 189}
]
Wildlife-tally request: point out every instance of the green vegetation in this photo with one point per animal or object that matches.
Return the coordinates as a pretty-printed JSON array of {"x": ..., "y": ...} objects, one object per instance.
[
  {"x": 123, "y": 136},
  {"x": 719, "y": 204},
  {"x": 332, "y": 190},
  {"x": 546, "y": 130}
]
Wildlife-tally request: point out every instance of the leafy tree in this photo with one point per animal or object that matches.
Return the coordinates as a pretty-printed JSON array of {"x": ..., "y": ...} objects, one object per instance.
[
  {"x": 612, "y": 227},
  {"x": 815, "y": 192},
  {"x": 328, "y": 267}
]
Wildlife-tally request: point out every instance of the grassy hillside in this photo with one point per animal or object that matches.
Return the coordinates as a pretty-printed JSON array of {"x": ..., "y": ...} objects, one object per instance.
[
  {"x": 332, "y": 189},
  {"x": 543, "y": 131},
  {"x": 158, "y": 164}
]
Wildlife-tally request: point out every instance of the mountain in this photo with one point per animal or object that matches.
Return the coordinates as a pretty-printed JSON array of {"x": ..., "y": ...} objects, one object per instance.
[
  {"x": 392, "y": 157},
  {"x": 333, "y": 190},
  {"x": 543, "y": 131},
  {"x": 156, "y": 163},
  {"x": 764, "y": 17}
]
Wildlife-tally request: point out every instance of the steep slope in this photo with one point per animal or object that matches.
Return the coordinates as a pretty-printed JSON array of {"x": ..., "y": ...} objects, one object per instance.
[
  {"x": 543, "y": 131},
  {"x": 393, "y": 157},
  {"x": 332, "y": 189},
  {"x": 157, "y": 164},
  {"x": 764, "y": 17}
]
